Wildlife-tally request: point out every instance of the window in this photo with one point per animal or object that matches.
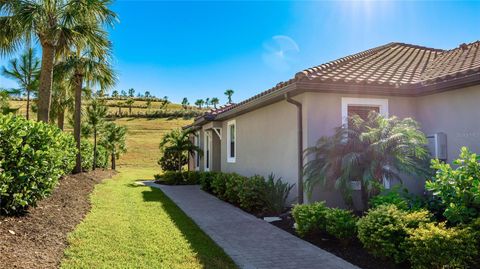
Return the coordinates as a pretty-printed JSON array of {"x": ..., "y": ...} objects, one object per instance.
[
  {"x": 196, "y": 141},
  {"x": 363, "y": 106},
  {"x": 231, "y": 141},
  {"x": 207, "y": 150}
]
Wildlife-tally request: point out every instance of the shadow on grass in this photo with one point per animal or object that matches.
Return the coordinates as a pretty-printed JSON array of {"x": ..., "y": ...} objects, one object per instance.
[{"x": 208, "y": 253}]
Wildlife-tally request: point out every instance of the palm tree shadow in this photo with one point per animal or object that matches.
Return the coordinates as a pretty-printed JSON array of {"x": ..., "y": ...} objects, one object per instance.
[{"x": 208, "y": 253}]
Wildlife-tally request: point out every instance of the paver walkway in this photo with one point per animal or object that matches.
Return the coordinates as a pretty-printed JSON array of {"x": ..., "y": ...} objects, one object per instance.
[{"x": 251, "y": 242}]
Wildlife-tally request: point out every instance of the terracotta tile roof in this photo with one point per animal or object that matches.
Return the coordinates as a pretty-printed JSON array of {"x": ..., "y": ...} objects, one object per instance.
[{"x": 392, "y": 66}]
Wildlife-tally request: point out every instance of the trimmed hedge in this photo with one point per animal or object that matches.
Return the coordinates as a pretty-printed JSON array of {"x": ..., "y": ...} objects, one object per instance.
[
  {"x": 33, "y": 156},
  {"x": 310, "y": 218},
  {"x": 178, "y": 178},
  {"x": 342, "y": 224}
]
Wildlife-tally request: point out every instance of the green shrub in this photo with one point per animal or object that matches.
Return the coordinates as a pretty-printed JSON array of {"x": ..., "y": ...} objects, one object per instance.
[
  {"x": 276, "y": 194},
  {"x": 102, "y": 157},
  {"x": 169, "y": 161},
  {"x": 384, "y": 229},
  {"x": 458, "y": 189},
  {"x": 390, "y": 198},
  {"x": 219, "y": 185},
  {"x": 435, "y": 246},
  {"x": 233, "y": 185},
  {"x": 86, "y": 149},
  {"x": 310, "y": 218},
  {"x": 33, "y": 156},
  {"x": 178, "y": 178},
  {"x": 206, "y": 179},
  {"x": 341, "y": 223},
  {"x": 252, "y": 194}
]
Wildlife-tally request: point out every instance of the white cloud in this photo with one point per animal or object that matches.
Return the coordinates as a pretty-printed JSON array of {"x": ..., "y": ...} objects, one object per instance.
[{"x": 279, "y": 52}]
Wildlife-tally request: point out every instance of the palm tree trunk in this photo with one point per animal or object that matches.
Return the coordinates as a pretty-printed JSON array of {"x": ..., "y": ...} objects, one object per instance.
[
  {"x": 94, "y": 148},
  {"x": 130, "y": 110},
  {"x": 61, "y": 118},
  {"x": 28, "y": 105},
  {"x": 78, "y": 81},
  {"x": 180, "y": 162},
  {"x": 46, "y": 77},
  {"x": 113, "y": 161}
]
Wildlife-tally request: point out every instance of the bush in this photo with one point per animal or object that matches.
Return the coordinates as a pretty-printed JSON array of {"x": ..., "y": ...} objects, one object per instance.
[
  {"x": 219, "y": 185},
  {"x": 276, "y": 195},
  {"x": 206, "y": 179},
  {"x": 169, "y": 161},
  {"x": 86, "y": 149},
  {"x": 458, "y": 189},
  {"x": 178, "y": 178},
  {"x": 384, "y": 229},
  {"x": 252, "y": 194},
  {"x": 342, "y": 224},
  {"x": 102, "y": 157},
  {"x": 33, "y": 156},
  {"x": 310, "y": 218},
  {"x": 434, "y": 246},
  {"x": 390, "y": 198},
  {"x": 233, "y": 185}
]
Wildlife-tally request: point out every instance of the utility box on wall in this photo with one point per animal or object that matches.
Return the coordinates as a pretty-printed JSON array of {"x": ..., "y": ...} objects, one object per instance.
[{"x": 437, "y": 143}]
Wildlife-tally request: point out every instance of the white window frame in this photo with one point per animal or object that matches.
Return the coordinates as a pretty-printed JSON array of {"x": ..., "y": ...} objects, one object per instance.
[
  {"x": 382, "y": 104},
  {"x": 229, "y": 158},
  {"x": 207, "y": 147},
  {"x": 196, "y": 141}
]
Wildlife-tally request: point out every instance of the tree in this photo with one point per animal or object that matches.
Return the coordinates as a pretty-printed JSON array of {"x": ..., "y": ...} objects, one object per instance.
[
  {"x": 149, "y": 104},
  {"x": 87, "y": 63},
  {"x": 185, "y": 103},
  {"x": 124, "y": 93},
  {"x": 371, "y": 150},
  {"x": 207, "y": 102},
  {"x": 215, "y": 102},
  {"x": 229, "y": 94},
  {"x": 96, "y": 113},
  {"x": 113, "y": 140},
  {"x": 199, "y": 103},
  {"x": 62, "y": 99},
  {"x": 164, "y": 102},
  {"x": 178, "y": 144},
  {"x": 115, "y": 94},
  {"x": 25, "y": 71},
  {"x": 57, "y": 26},
  {"x": 130, "y": 102},
  {"x": 147, "y": 94},
  {"x": 131, "y": 92}
]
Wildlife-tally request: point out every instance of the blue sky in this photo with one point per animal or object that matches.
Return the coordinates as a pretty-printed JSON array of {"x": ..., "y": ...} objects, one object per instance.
[{"x": 198, "y": 49}]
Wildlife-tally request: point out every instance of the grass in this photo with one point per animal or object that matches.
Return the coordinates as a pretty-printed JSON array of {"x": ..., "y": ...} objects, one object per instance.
[{"x": 133, "y": 226}]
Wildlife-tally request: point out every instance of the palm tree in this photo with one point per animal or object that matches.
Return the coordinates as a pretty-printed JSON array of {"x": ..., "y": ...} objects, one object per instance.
[
  {"x": 164, "y": 102},
  {"x": 214, "y": 102},
  {"x": 179, "y": 144},
  {"x": 113, "y": 139},
  {"x": 199, "y": 103},
  {"x": 131, "y": 92},
  {"x": 207, "y": 102},
  {"x": 185, "y": 103},
  {"x": 147, "y": 94},
  {"x": 372, "y": 150},
  {"x": 96, "y": 113},
  {"x": 88, "y": 63},
  {"x": 25, "y": 71},
  {"x": 57, "y": 25},
  {"x": 130, "y": 102},
  {"x": 115, "y": 94},
  {"x": 62, "y": 99},
  {"x": 229, "y": 94}
]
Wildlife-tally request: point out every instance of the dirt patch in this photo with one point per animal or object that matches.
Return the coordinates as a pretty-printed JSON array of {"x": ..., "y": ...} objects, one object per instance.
[
  {"x": 38, "y": 238},
  {"x": 353, "y": 252}
]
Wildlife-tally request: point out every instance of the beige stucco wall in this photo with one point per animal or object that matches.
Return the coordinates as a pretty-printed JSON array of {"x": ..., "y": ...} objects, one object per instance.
[
  {"x": 266, "y": 143},
  {"x": 456, "y": 113}
]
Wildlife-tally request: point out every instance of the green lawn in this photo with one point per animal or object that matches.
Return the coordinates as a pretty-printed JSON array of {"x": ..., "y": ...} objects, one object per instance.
[{"x": 133, "y": 226}]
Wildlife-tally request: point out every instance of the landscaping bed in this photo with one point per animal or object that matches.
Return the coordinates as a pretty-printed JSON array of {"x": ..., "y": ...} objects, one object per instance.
[
  {"x": 38, "y": 238},
  {"x": 353, "y": 252}
]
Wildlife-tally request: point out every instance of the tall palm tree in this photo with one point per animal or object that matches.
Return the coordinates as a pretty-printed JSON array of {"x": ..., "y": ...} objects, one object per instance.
[
  {"x": 179, "y": 144},
  {"x": 62, "y": 99},
  {"x": 56, "y": 25},
  {"x": 25, "y": 71},
  {"x": 88, "y": 63},
  {"x": 113, "y": 139},
  {"x": 199, "y": 103},
  {"x": 214, "y": 102},
  {"x": 371, "y": 151},
  {"x": 229, "y": 94},
  {"x": 130, "y": 101},
  {"x": 185, "y": 103},
  {"x": 96, "y": 113}
]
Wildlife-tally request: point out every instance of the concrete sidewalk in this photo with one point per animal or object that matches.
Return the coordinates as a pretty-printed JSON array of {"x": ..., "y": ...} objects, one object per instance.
[{"x": 251, "y": 242}]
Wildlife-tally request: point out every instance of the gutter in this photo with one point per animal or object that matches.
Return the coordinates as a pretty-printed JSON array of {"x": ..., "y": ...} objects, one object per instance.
[{"x": 299, "y": 146}]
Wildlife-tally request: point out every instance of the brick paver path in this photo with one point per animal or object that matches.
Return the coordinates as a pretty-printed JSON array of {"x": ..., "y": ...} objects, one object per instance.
[{"x": 251, "y": 242}]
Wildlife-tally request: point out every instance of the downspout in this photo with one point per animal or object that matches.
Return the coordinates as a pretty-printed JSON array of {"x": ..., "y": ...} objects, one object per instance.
[{"x": 299, "y": 145}]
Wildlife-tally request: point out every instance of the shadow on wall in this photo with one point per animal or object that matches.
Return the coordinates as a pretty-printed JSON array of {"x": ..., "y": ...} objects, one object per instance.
[{"x": 208, "y": 253}]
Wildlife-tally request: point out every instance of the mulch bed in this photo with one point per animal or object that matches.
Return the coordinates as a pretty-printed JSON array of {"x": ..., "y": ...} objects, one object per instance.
[
  {"x": 353, "y": 252},
  {"x": 38, "y": 238}
]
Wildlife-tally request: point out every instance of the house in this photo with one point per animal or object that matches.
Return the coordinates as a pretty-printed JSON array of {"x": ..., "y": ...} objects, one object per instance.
[{"x": 268, "y": 132}]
